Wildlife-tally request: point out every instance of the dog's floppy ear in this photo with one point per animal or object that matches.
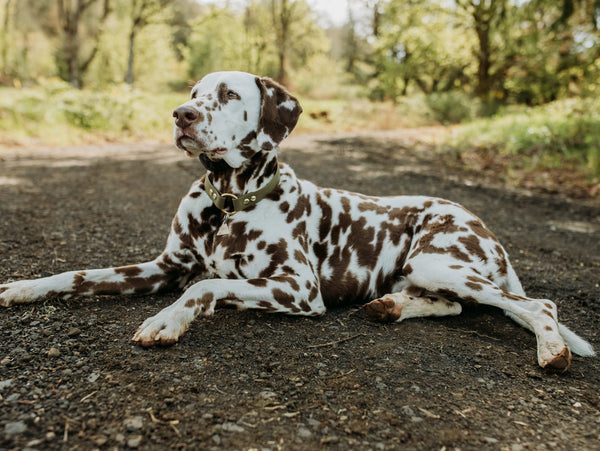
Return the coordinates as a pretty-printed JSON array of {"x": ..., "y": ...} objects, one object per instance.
[{"x": 279, "y": 112}]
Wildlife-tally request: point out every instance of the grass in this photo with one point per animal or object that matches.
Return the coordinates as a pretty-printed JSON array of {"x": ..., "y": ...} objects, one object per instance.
[
  {"x": 55, "y": 114},
  {"x": 564, "y": 134}
]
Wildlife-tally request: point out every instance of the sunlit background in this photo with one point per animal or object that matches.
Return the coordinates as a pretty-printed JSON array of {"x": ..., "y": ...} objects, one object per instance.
[{"x": 514, "y": 81}]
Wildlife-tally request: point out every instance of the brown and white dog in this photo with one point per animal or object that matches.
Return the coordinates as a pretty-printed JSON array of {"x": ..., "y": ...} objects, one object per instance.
[{"x": 258, "y": 237}]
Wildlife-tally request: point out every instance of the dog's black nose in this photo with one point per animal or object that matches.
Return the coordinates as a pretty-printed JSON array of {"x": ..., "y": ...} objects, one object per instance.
[{"x": 185, "y": 116}]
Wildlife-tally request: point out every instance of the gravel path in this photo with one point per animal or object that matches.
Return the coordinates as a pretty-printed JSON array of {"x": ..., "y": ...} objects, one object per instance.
[{"x": 71, "y": 379}]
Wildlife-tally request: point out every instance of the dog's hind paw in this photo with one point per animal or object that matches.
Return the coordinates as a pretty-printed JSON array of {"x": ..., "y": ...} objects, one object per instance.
[
  {"x": 384, "y": 309},
  {"x": 559, "y": 362}
]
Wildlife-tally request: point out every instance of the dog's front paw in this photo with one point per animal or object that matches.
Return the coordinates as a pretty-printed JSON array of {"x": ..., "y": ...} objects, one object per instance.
[
  {"x": 165, "y": 328},
  {"x": 16, "y": 293}
]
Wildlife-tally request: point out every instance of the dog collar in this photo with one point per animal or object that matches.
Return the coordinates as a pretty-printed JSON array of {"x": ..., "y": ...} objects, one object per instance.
[{"x": 231, "y": 204}]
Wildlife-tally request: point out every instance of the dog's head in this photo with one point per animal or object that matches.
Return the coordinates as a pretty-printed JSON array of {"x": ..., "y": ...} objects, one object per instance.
[{"x": 233, "y": 115}]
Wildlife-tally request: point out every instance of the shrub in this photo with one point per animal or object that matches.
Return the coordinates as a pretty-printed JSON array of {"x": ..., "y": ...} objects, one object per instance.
[
  {"x": 564, "y": 130},
  {"x": 453, "y": 107}
]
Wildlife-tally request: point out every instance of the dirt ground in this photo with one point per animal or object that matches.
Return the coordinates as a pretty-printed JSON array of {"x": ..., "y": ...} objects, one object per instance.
[{"x": 71, "y": 379}]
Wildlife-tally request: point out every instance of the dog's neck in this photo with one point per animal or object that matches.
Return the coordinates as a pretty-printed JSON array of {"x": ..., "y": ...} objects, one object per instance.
[{"x": 251, "y": 176}]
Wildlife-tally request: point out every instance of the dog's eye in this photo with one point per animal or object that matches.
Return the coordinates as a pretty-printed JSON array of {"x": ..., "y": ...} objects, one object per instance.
[
  {"x": 194, "y": 95},
  {"x": 233, "y": 95}
]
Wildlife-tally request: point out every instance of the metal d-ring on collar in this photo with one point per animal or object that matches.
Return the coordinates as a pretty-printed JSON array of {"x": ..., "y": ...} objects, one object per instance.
[{"x": 238, "y": 203}]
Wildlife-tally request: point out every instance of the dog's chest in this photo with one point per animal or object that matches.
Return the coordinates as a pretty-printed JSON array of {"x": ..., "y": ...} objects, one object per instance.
[{"x": 242, "y": 245}]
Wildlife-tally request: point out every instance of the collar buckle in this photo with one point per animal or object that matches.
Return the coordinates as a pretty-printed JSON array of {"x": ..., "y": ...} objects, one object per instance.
[{"x": 233, "y": 197}]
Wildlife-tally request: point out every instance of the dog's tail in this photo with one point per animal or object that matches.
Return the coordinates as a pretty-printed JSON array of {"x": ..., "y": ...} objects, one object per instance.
[{"x": 576, "y": 344}]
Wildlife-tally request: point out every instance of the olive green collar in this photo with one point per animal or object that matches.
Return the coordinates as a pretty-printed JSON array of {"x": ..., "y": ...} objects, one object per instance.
[{"x": 231, "y": 204}]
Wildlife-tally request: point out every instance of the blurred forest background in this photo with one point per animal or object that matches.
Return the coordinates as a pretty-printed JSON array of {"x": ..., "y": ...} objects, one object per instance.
[{"x": 511, "y": 82}]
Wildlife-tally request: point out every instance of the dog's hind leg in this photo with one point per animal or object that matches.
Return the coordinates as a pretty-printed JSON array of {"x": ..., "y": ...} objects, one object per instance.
[
  {"x": 462, "y": 282},
  {"x": 576, "y": 344},
  {"x": 403, "y": 305}
]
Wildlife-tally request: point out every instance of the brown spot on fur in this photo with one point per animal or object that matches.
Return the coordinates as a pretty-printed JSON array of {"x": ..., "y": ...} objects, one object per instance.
[
  {"x": 266, "y": 305},
  {"x": 501, "y": 261},
  {"x": 474, "y": 286},
  {"x": 287, "y": 279},
  {"x": 550, "y": 314},
  {"x": 300, "y": 257},
  {"x": 299, "y": 234},
  {"x": 512, "y": 296},
  {"x": 326, "y": 215},
  {"x": 481, "y": 230},
  {"x": 279, "y": 255},
  {"x": 258, "y": 282},
  {"x": 304, "y": 306},
  {"x": 473, "y": 246},
  {"x": 314, "y": 292},
  {"x": 302, "y": 208},
  {"x": 479, "y": 280},
  {"x": 285, "y": 299},
  {"x": 425, "y": 247},
  {"x": 372, "y": 206},
  {"x": 129, "y": 271}
]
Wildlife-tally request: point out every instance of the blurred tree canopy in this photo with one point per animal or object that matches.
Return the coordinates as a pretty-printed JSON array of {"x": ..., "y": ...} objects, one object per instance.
[
  {"x": 525, "y": 51},
  {"x": 532, "y": 51}
]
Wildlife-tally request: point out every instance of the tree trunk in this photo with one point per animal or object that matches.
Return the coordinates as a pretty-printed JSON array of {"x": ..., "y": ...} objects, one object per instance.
[
  {"x": 483, "y": 57},
  {"x": 70, "y": 17},
  {"x": 129, "y": 75},
  {"x": 72, "y": 47},
  {"x": 4, "y": 42},
  {"x": 281, "y": 22}
]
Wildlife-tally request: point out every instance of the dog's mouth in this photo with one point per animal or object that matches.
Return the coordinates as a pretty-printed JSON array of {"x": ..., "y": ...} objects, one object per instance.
[{"x": 193, "y": 148}]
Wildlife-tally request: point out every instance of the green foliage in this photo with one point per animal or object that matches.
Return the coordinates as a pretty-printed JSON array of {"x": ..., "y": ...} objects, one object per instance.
[
  {"x": 453, "y": 107},
  {"x": 59, "y": 114},
  {"x": 546, "y": 136},
  {"x": 529, "y": 52},
  {"x": 423, "y": 46},
  {"x": 225, "y": 39}
]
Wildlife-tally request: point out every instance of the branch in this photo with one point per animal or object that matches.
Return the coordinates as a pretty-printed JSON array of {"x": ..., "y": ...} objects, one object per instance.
[{"x": 333, "y": 343}]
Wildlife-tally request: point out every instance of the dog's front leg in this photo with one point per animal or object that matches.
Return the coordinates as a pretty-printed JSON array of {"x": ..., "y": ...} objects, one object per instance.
[
  {"x": 143, "y": 278},
  {"x": 278, "y": 294}
]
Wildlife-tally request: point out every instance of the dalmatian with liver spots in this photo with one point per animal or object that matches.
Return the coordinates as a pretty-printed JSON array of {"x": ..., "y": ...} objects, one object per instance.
[{"x": 257, "y": 237}]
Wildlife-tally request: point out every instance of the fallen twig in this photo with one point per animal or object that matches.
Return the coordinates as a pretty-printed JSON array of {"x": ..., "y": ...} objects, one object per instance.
[
  {"x": 472, "y": 332},
  {"x": 86, "y": 397},
  {"x": 67, "y": 421},
  {"x": 170, "y": 423},
  {"x": 428, "y": 413},
  {"x": 333, "y": 343}
]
